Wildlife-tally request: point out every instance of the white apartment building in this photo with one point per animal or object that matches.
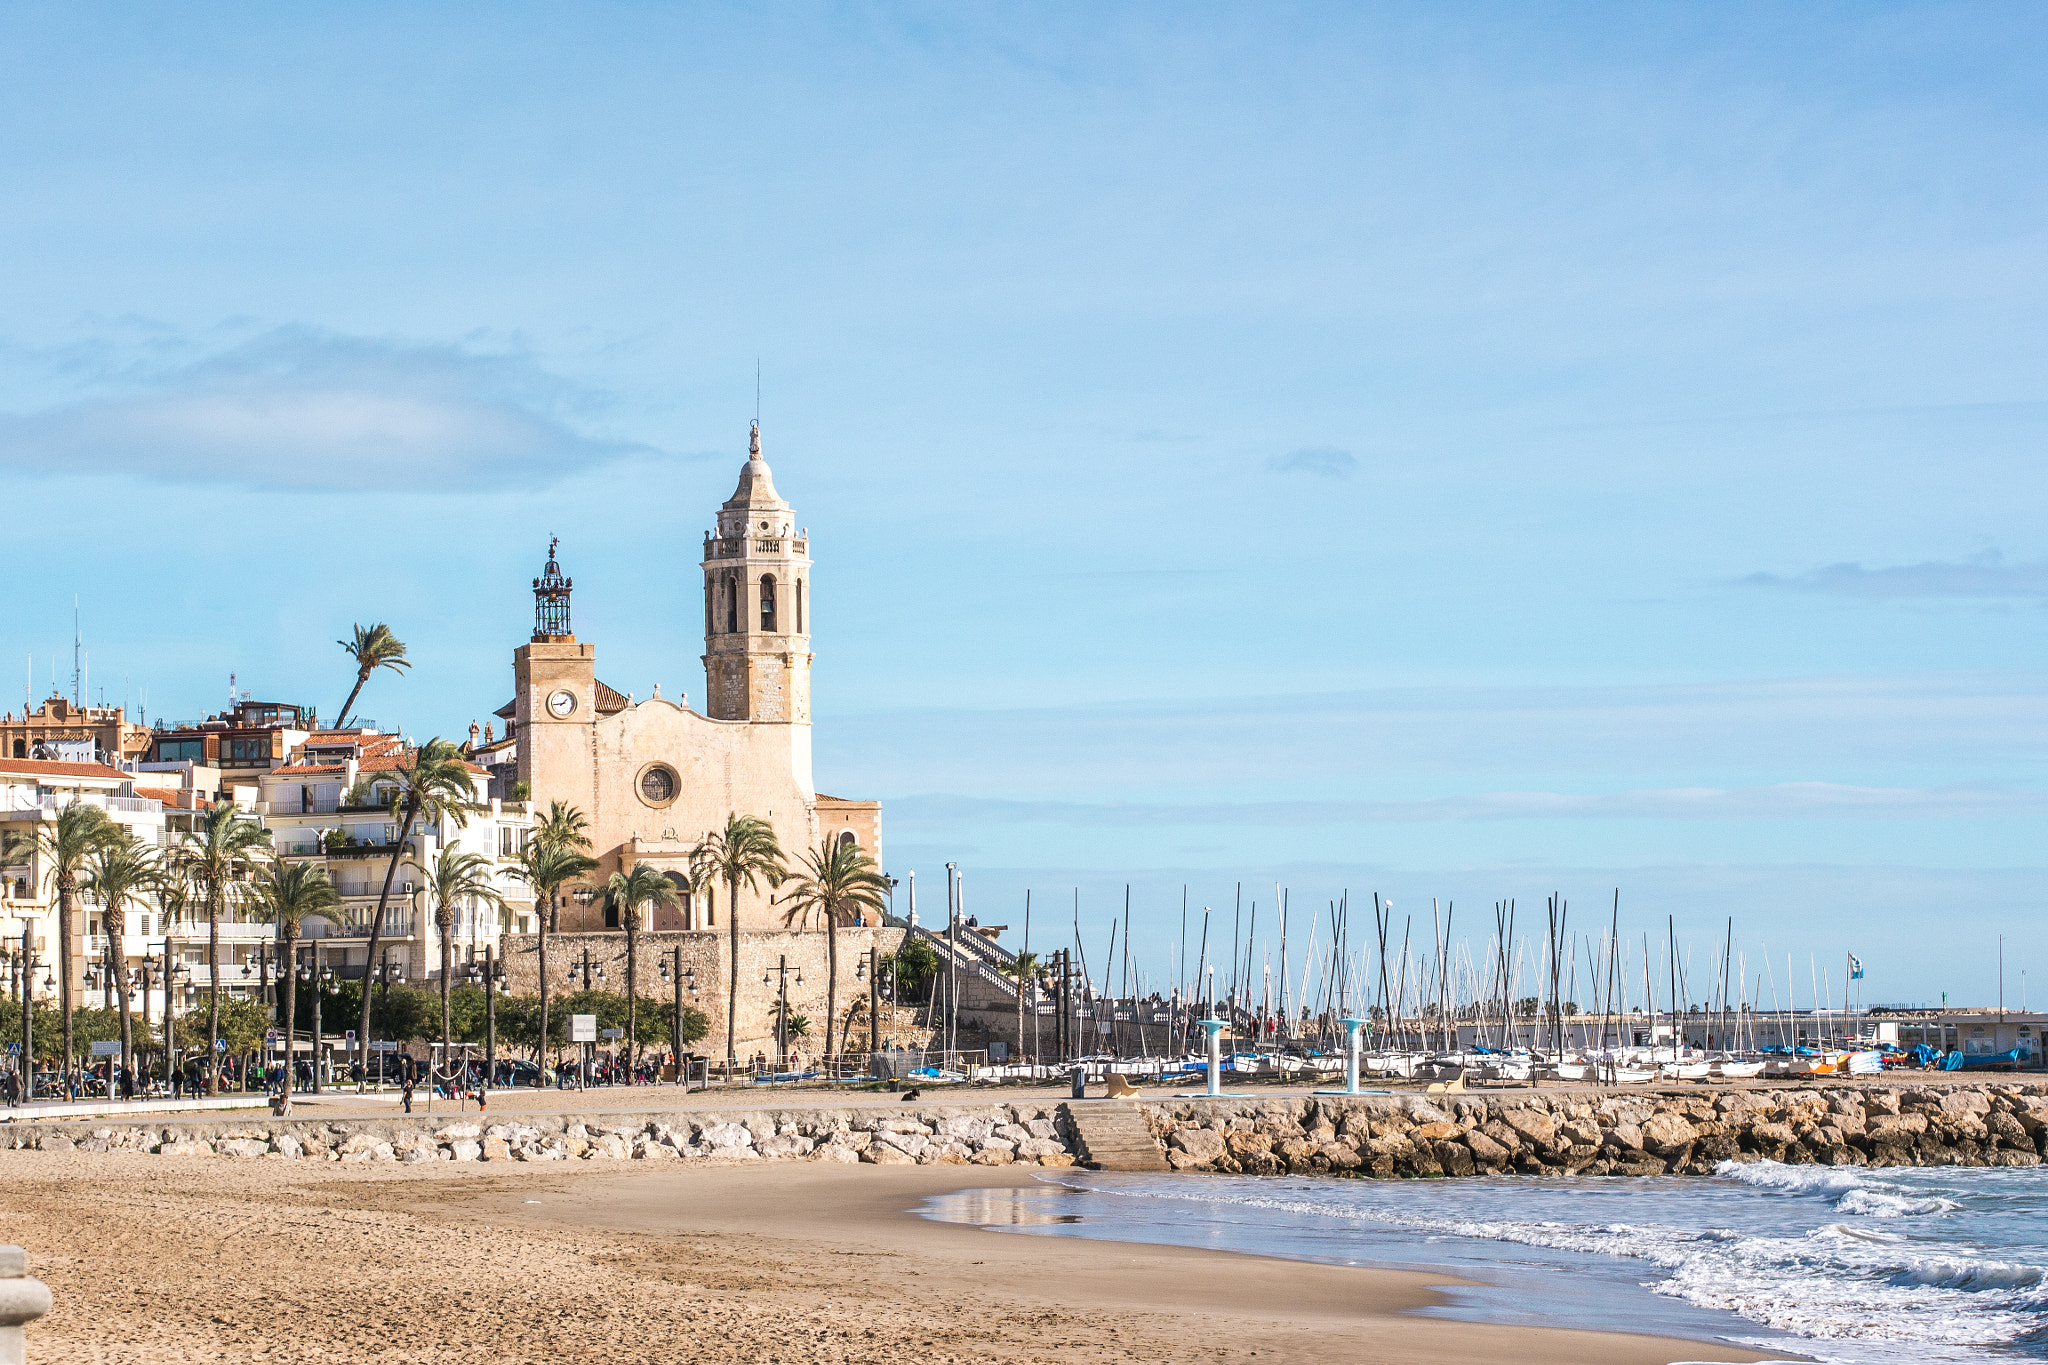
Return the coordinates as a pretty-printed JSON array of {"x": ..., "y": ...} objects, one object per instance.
[
  {"x": 328, "y": 802},
  {"x": 31, "y": 794}
]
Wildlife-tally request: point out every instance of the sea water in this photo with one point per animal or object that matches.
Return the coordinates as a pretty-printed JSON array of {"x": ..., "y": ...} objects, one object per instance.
[{"x": 1832, "y": 1263}]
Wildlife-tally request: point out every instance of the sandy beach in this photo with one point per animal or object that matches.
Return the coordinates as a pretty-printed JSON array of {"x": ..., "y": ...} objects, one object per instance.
[{"x": 155, "y": 1259}]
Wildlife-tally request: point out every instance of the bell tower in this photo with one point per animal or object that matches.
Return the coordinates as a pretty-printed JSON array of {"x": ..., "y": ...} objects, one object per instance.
[{"x": 757, "y": 584}]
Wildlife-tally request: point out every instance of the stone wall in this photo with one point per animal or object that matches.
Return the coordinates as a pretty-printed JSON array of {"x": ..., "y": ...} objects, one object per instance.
[
  {"x": 1590, "y": 1133},
  {"x": 980, "y": 1134},
  {"x": 705, "y": 951}
]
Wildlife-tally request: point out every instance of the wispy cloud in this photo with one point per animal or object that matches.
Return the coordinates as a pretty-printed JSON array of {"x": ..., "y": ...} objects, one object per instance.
[
  {"x": 1323, "y": 461},
  {"x": 1780, "y": 801},
  {"x": 311, "y": 411},
  {"x": 1980, "y": 575}
]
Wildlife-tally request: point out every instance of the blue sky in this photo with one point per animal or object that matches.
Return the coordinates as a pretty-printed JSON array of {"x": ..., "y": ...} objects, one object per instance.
[{"x": 1465, "y": 454}]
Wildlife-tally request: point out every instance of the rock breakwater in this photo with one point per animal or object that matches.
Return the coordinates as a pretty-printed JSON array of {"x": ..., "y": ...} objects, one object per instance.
[
  {"x": 985, "y": 1135},
  {"x": 1586, "y": 1133}
]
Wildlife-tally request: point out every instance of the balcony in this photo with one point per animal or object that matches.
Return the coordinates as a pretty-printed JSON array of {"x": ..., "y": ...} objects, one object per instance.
[{"x": 37, "y": 807}]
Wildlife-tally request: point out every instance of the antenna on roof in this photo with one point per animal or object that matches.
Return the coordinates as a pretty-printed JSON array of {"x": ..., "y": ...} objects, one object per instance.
[{"x": 77, "y": 643}]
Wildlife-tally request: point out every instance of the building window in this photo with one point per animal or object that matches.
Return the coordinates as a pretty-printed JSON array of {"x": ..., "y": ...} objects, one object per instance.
[
  {"x": 708, "y": 623},
  {"x": 249, "y": 750},
  {"x": 732, "y": 604},
  {"x": 768, "y": 603},
  {"x": 511, "y": 841},
  {"x": 658, "y": 784},
  {"x": 168, "y": 750},
  {"x": 846, "y": 837},
  {"x": 799, "y": 606}
]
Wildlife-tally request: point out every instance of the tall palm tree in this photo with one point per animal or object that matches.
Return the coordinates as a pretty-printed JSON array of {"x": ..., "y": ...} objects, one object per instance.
[
  {"x": 745, "y": 851},
  {"x": 838, "y": 880},
  {"x": 629, "y": 891},
  {"x": 372, "y": 649},
  {"x": 121, "y": 870},
  {"x": 64, "y": 846},
  {"x": 455, "y": 877},
  {"x": 563, "y": 827},
  {"x": 285, "y": 895},
  {"x": 547, "y": 868},
  {"x": 174, "y": 893},
  {"x": 217, "y": 854},
  {"x": 1023, "y": 970},
  {"x": 432, "y": 782}
]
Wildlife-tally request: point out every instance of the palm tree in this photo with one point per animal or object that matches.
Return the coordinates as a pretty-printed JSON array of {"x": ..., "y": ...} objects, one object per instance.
[
  {"x": 563, "y": 827},
  {"x": 1022, "y": 969},
  {"x": 121, "y": 870},
  {"x": 65, "y": 845},
  {"x": 217, "y": 853},
  {"x": 745, "y": 851},
  {"x": 285, "y": 896},
  {"x": 174, "y": 892},
  {"x": 433, "y": 781},
  {"x": 547, "y": 868},
  {"x": 629, "y": 891},
  {"x": 456, "y": 876},
  {"x": 838, "y": 879},
  {"x": 372, "y": 649}
]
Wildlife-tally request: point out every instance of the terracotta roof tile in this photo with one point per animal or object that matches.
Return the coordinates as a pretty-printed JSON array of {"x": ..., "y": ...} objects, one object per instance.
[{"x": 37, "y": 767}]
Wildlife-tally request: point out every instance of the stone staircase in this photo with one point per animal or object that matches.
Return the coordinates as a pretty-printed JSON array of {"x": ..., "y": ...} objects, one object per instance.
[{"x": 1113, "y": 1137}]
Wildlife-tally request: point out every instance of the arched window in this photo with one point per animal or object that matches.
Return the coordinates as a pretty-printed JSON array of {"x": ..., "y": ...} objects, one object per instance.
[
  {"x": 20, "y": 748},
  {"x": 732, "y": 604},
  {"x": 768, "y": 603},
  {"x": 799, "y": 606},
  {"x": 846, "y": 837},
  {"x": 707, "y": 607}
]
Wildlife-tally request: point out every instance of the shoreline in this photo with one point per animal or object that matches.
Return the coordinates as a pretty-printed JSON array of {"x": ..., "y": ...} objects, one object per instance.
[{"x": 726, "y": 1262}]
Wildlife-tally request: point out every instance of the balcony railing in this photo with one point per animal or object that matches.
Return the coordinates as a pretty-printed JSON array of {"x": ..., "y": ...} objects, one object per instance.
[{"x": 34, "y": 807}]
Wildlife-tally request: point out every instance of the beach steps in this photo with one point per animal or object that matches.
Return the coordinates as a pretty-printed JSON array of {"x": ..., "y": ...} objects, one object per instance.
[{"x": 1112, "y": 1136}]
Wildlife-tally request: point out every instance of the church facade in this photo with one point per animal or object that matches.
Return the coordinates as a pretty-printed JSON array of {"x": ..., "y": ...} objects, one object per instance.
[{"x": 654, "y": 776}]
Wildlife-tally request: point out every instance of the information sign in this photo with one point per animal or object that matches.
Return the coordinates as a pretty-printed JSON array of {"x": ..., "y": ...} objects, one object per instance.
[
  {"x": 582, "y": 1028},
  {"x": 111, "y": 1048},
  {"x": 611, "y": 1033}
]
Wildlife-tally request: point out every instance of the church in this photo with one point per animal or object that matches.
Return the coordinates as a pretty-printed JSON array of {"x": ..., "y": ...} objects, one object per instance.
[{"x": 654, "y": 776}]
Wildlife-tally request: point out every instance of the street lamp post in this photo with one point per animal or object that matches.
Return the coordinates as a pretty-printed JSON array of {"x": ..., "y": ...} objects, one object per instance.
[
  {"x": 679, "y": 979},
  {"x": 782, "y": 1008}
]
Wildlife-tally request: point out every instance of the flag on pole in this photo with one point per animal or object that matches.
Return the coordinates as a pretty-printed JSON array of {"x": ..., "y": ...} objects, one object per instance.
[{"x": 1855, "y": 968}]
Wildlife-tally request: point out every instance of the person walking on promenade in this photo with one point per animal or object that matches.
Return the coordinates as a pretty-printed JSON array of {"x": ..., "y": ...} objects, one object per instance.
[{"x": 408, "y": 1083}]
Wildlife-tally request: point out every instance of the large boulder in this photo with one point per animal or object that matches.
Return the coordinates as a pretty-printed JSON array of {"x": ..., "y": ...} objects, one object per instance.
[
  {"x": 1536, "y": 1128},
  {"x": 1668, "y": 1135},
  {"x": 1485, "y": 1151}
]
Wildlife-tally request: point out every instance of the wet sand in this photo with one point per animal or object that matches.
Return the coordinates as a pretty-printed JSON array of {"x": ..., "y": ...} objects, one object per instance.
[{"x": 161, "y": 1259}]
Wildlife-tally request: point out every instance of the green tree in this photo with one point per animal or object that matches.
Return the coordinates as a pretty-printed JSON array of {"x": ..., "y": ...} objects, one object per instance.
[
  {"x": 547, "y": 865},
  {"x": 121, "y": 871},
  {"x": 65, "y": 846},
  {"x": 242, "y": 1025},
  {"x": 286, "y": 894},
  {"x": 431, "y": 782},
  {"x": 217, "y": 853},
  {"x": 916, "y": 965},
  {"x": 457, "y": 877},
  {"x": 372, "y": 649},
  {"x": 838, "y": 880},
  {"x": 745, "y": 852}
]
